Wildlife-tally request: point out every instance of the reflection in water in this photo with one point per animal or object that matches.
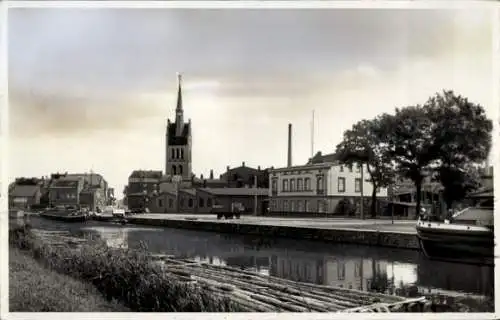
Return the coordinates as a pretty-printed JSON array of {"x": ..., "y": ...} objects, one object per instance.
[{"x": 393, "y": 271}]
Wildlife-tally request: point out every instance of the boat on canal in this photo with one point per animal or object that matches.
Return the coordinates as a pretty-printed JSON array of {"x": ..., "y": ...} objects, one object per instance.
[
  {"x": 66, "y": 214},
  {"x": 468, "y": 237}
]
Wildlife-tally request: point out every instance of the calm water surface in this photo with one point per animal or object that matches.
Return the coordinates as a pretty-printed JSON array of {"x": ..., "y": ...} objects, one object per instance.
[{"x": 393, "y": 271}]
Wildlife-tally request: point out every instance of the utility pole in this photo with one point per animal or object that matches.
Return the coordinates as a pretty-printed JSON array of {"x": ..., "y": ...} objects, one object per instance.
[
  {"x": 255, "y": 198},
  {"x": 312, "y": 135},
  {"x": 361, "y": 189}
]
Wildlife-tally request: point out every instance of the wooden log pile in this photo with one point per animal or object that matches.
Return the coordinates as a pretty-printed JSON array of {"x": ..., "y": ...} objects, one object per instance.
[{"x": 272, "y": 294}]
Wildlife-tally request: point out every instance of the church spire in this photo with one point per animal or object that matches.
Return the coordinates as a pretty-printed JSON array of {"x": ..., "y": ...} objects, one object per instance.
[{"x": 179, "y": 112}]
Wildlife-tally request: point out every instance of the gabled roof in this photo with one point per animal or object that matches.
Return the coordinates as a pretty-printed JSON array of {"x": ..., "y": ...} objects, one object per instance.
[
  {"x": 152, "y": 174},
  {"x": 90, "y": 178},
  {"x": 24, "y": 190},
  {"x": 236, "y": 191},
  {"x": 189, "y": 191},
  {"x": 320, "y": 158},
  {"x": 67, "y": 182}
]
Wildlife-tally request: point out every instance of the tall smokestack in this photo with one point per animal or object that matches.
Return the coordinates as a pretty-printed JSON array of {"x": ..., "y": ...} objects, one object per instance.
[{"x": 289, "y": 160}]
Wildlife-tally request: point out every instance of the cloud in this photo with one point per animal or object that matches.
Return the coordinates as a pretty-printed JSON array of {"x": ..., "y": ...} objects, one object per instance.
[{"x": 91, "y": 78}]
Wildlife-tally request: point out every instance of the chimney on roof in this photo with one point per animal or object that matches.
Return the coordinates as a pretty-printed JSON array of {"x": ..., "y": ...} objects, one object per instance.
[
  {"x": 258, "y": 168},
  {"x": 243, "y": 164},
  {"x": 201, "y": 176},
  {"x": 227, "y": 168},
  {"x": 211, "y": 174},
  {"x": 289, "y": 160}
]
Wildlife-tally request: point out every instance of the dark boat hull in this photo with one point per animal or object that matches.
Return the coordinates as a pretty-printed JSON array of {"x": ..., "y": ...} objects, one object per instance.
[
  {"x": 464, "y": 244},
  {"x": 65, "y": 218}
]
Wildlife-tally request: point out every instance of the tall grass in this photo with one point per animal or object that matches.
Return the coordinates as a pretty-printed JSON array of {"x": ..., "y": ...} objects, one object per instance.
[
  {"x": 129, "y": 276},
  {"x": 33, "y": 288}
]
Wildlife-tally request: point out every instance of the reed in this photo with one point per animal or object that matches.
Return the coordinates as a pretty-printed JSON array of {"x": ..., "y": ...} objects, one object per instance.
[{"x": 128, "y": 276}]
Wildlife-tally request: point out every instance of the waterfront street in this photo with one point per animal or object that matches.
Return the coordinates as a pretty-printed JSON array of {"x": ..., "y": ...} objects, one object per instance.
[{"x": 400, "y": 226}]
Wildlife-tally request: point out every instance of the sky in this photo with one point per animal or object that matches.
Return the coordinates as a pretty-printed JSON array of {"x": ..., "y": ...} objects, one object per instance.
[{"x": 91, "y": 89}]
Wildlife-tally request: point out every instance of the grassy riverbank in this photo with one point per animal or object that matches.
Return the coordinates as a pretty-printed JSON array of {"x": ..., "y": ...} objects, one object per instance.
[
  {"x": 129, "y": 277},
  {"x": 34, "y": 288}
]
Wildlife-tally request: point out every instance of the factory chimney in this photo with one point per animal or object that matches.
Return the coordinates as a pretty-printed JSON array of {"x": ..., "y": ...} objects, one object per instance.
[{"x": 289, "y": 160}]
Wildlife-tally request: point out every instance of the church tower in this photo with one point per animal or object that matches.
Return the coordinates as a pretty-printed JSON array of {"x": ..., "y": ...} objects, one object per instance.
[{"x": 178, "y": 141}]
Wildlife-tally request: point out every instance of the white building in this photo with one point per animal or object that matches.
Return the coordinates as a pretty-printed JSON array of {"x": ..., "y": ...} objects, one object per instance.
[{"x": 319, "y": 186}]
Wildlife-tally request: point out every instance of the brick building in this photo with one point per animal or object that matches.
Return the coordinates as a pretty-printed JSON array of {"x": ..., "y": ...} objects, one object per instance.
[{"x": 142, "y": 186}]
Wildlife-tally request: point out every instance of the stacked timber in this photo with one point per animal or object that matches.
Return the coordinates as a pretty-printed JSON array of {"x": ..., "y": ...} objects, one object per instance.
[{"x": 272, "y": 294}]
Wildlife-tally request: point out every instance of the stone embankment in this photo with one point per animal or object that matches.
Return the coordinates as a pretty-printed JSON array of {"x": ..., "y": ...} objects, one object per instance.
[{"x": 381, "y": 234}]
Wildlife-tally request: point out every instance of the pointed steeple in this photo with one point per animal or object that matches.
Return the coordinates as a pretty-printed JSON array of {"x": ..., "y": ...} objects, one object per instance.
[{"x": 179, "y": 112}]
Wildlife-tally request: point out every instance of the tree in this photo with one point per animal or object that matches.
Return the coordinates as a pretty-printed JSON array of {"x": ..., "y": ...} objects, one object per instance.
[
  {"x": 462, "y": 140},
  {"x": 362, "y": 145},
  {"x": 410, "y": 144},
  {"x": 457, "y": 182}
]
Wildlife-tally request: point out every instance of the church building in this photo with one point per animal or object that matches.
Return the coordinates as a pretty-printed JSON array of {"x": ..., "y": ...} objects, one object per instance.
[{"x": 178, "y": 142}]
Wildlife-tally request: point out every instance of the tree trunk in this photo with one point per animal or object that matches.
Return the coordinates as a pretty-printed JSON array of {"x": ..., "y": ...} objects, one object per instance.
[
  {"x": 448, "y": 199},
  {"x": 418, "y": 185},
  {"x": 373, "y": 209}
]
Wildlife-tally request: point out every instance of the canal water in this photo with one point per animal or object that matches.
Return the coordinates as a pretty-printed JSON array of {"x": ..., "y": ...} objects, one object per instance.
[{"x": 392, "y": 271}]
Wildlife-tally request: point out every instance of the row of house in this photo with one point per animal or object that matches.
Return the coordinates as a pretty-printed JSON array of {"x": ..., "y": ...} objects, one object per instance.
[
  {"x": 162, "y": 193},
  {"x": 90, "y": 190}
]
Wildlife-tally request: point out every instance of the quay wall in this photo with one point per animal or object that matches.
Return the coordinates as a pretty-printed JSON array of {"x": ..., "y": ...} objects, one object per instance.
[{"x": 352, "y": 236}]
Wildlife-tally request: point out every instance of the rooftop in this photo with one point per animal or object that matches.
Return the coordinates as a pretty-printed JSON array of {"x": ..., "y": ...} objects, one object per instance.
[
  {"x": 24, "y": 190},
  {"x": 236, "y": 191}
]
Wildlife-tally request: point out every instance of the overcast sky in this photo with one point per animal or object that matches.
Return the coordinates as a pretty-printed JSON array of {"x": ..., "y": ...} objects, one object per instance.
[{"x": 92, "y": 88}]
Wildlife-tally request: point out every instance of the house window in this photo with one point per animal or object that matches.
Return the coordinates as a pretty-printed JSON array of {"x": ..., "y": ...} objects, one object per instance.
[
  {"x": 358, "y": 168},
  {"x": 173, "y": 154},
  {"x": 201, "y": 202},
  {"x": 285, "y": 205},
  {"x": 292, "y": 184},
  {"x": 285, "y": 184},
  {"x": 350, "y": 168},
  {"x": 320, "y": 183},
  {"x": 180, "y": 170},
  {"x": 174, "y": 170},
  {"x": 300, "y": 206},
  {"x": 292, "y": 205},
  {"x": 357, "y": 270},
  {"x": 357, "y": 185},
  {"x": 341, "y": 271},
  {"x": 209, "y": 202},
  {"x": 341, "y": 184},
  {"x": 307, "y": 182},
  {"x": 160, "y": 203},
  {"x": 341, "y": 168},
  {"x": 274, "y": 186},
  {"x": 182, "y": 153},
  {"x": 299, "y": 184},
  {"x": 306, "y": 205},
  {"x": 170, "y": 203},
  {"x": 190, "y": 203}
]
